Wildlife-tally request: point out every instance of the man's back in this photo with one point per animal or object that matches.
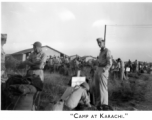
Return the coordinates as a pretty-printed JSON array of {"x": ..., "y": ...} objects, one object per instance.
[{"x": 76, "y": 96}]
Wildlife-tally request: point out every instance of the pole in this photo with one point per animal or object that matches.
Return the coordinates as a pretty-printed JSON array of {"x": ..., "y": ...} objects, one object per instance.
[{"x": 105, "y": 34}]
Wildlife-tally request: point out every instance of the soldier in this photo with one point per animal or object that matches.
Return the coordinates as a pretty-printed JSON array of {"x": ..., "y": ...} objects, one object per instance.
[
  {"x": 50, "y": 61},
  {"x": 129, "y": 64},
  {"x": 62, "y": 59},
  {"x": 80, "y": 94},
  {"x": 55, "y": 64},
  {"x": 100, "y": 82},
  {"x": 114, "y": 69},
  {"x": 77, "y": 63},
  {"x": 66, "y": 60},
  {"x": 122, "y": 69},
  {"x": 48, "y": 64},
  {"x": 59, "y": 60},
  {"x": 36, "y": 61},
  {"x": 136, "y": 66},
  {"x": 77, "y": 95},
  {"x": 4, "y": 78},
  {"x": 3, "y": 69}
]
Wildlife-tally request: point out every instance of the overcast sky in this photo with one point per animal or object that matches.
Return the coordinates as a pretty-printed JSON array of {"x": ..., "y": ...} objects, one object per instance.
[{"x": 72, "y": 28}]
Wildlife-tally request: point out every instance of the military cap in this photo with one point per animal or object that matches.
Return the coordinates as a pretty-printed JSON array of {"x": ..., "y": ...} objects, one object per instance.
[
  {"x": 38, "y": 44},
  {"x": 4, "y": 36},
  {"x": 100, "y": 40}
]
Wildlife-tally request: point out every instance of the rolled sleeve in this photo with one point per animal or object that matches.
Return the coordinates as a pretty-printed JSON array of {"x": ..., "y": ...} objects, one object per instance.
[{"x": 43, "y": 58}]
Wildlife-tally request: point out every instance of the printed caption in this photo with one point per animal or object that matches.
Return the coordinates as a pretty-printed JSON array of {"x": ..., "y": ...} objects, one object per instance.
[{"x": 100, "y": 115}]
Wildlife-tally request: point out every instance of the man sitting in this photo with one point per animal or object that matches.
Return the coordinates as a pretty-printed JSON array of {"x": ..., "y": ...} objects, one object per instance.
[{"x": 78, "y": 95}]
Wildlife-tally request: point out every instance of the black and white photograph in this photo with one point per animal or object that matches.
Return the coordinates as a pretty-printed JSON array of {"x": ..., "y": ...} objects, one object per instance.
[{"x": 76, "y": 56}]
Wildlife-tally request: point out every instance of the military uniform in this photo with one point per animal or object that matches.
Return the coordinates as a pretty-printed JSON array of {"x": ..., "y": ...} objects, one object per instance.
[
  {"x": 100, "y": 82},
  {"x": 3, "y": 75},
  {"x": 56, "y": 63},
  {"x": 73, "y": 96},
  {"x": 2, "y": 61},
  {"x": 122, "y": 71},
  {"x": 66, "y": 60},
  {"x": 39, "y": 60},
  {"x": 59, "y": 60},
  {"x": 3, "y": 72},
  {"x": 78, "y": 95},
  {"x": 136, "y": 66}
]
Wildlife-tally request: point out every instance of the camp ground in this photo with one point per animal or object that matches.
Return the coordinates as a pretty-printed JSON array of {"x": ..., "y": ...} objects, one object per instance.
[{"x": 76, "y": 56}]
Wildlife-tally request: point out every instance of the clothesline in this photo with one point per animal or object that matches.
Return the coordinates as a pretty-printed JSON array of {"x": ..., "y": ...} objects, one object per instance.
[{"x": 141, "y": 26}]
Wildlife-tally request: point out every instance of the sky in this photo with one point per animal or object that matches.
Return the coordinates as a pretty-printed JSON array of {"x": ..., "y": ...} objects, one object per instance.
[{"x": 73, "y": 28}]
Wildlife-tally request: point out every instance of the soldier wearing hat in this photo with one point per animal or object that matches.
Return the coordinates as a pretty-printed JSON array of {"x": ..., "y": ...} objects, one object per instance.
[
  {"x": 36, "y": 61},
  {"x": 3, "y": 72},
  {"x": 121, "y": 69},
  {"x": 100, "y": 82},
  {"x": 3, "y": 41}
]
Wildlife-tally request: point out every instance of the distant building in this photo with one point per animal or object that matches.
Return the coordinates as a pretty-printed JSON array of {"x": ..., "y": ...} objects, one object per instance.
[{"x": 24, "y": 54}]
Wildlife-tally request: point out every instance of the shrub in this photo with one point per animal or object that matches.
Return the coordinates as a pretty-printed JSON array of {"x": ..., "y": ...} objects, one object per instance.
[
  {"x": 11, "y": 62},
  {"x": 21, "y": 65},
  {"x": 54, "y": 87}
]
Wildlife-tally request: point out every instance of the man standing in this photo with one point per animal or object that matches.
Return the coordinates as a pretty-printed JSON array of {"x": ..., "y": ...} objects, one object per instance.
[
  {"x": 122, "y": 69},
  {"x": 66, "y": 60},
  {"x": 100, "y": 83},
  {"x": 3, "y": 41},
  {"x": 50, "y": 61},
  {"x": 36, "y": 61},
  {"x": 55, "y": 63},
  {"x": 136, "y": 66},
  {"x": 4, "y": 77}
]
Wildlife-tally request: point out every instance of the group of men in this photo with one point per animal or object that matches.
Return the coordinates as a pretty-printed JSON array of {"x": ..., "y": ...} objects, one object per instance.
[
  {"x": 99, "y": 86},
  {"x": 55, "y": 62},
  {"x": 64, "y": 65},
  {"x": 138, "y": 66},
  {"x": 118, "y": 70}
]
